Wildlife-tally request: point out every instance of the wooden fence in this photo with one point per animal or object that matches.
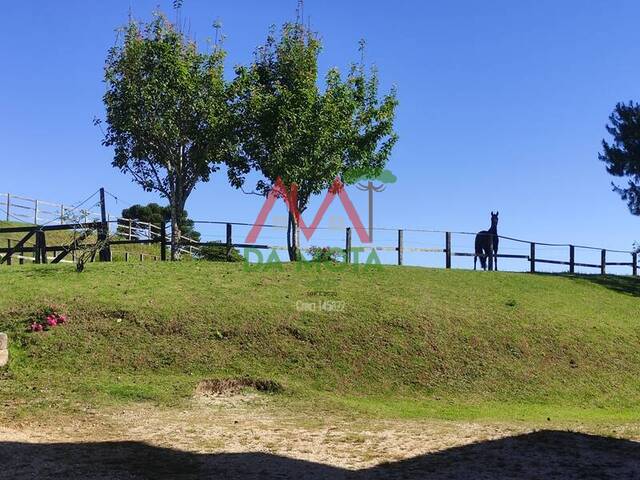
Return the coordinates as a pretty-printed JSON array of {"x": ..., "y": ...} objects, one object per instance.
[
  {"x": 39, "y": 212},
  {"x": 158, "y": 235},
  {"x": 449, "y": 251}
]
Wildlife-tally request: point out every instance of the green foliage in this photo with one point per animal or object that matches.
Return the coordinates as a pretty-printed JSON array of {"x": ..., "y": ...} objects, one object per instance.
[
  {"x": 158, "y": 215},
  {"x": 622, "y": 156},
  {"x": 218, "y": 253},
  {"x": 167, "y": 113},
  {"x": 326, "y": 254},
  {"x": 294, "y": 131}
]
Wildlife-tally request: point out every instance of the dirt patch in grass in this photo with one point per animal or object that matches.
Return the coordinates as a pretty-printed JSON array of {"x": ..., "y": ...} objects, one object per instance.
[{"x": 236, "y": 386}]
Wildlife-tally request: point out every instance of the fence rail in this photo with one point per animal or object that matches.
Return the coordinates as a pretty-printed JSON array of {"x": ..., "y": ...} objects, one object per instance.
[
  {"x": 40, "y": 212},
  {"x": 132, "y": 232},
  {"x": 448, "y": 249}
]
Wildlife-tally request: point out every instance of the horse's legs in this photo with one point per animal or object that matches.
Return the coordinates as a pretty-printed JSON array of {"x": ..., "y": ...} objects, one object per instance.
[{"x": 475, "y": 262}]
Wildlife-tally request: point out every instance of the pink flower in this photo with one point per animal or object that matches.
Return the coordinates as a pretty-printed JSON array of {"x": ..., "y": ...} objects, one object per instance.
[
  {"x": 61, "y": 319},
  {"x": 51, "y": 321},
  {"x": 36, "y": 327}
]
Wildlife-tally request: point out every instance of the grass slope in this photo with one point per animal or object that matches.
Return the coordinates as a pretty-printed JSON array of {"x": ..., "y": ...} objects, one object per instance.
[{"x": 410, "y": 341}]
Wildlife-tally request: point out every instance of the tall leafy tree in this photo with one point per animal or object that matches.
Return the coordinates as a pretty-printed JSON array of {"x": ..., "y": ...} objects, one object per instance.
[
  {"x": 622, "y": 155},
  {"x": 167, "y": 112},
  {"x": 294, "y": 131}
]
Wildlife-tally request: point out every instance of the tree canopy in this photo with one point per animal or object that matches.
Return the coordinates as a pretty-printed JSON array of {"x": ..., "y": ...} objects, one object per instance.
[
  {"x": 158, "y": 215},
  {"x": 294, "y": 131},
  {"x": 622, "y": 155},
  {"x": 167, "y": 112}
]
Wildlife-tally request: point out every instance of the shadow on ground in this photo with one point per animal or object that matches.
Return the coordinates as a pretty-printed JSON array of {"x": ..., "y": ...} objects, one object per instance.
[
  {"x": 540, "y": 455},
  {"x": 622, "y": 284}
]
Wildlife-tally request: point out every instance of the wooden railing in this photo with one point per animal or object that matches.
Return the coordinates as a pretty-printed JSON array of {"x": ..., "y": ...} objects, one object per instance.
[{"x": 17, "y": 208}]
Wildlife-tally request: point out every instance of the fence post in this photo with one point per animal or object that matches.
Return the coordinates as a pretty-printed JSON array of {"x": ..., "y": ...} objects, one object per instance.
[
  {"x": 130, "y": 226},
  {"x": 40, "y": 254},
  {"x": 634, "y": 268},
  {"x": 532, "y": 258},
  {"x": 62, "y": 214},
  {"x": 36, "y": 249},
  {"x": 163, "y": 241},
  {"x": 572, "y": 259},
  {"x": 43, "y": 244},
  {"x": 603, "y": 262},
  {"x": 103, "y": 233},
  {"x": 9, "y": 257},
  {"x": 347, "y": 257},
  {"x": 35, "y": 213},
  {"x": 126, "y": 256},
  {"x": 447, "y": 249},
  {"x": 21, "y": 259},
  {"x": 491, "y": 255},
  {"x": 229, "y": 241},
  {"x": 8, "y": 205},
  {"x": 400, "y": 247},
  {"x": 142, "y": 257}
]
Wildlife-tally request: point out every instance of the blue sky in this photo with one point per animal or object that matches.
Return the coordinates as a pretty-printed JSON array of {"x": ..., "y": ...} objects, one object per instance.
[{"x": 502, "y": 106}]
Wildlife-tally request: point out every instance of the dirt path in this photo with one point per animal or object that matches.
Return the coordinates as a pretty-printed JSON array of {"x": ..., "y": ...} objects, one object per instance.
[{"x": 252, "y": 439}]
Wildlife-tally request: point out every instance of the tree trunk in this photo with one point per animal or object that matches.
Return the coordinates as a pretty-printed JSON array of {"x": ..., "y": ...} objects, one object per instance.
[
  {"x": 292, "y": 238},
  {"x": 175, "y": 232},
  {"x": 177, "y": 207}
]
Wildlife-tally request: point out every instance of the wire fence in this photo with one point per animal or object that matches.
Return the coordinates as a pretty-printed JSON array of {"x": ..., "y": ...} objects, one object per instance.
[
  {"x": 424, "y": 247},
  {"x": 408, "y": 246}
]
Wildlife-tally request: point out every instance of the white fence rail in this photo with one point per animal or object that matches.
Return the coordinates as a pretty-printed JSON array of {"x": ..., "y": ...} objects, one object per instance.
[
  {"x": 30, "y": 210},
  {"x": 16, "y": 208}
]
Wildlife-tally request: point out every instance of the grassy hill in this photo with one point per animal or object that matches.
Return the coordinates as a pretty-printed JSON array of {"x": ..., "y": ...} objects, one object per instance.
[{"x": 409, "y": 341}]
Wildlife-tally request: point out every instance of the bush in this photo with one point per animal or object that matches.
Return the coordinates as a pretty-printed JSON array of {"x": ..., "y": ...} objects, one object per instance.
[
  {"x": 326, "y": 254},
  {"x": 218, "y": 253}
]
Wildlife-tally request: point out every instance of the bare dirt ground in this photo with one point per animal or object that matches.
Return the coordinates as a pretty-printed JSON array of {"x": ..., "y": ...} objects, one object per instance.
[{"x": 249, "y": 437}]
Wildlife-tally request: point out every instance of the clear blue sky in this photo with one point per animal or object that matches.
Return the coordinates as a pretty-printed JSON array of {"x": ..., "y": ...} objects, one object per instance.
[{"x": 502, "y": 105}]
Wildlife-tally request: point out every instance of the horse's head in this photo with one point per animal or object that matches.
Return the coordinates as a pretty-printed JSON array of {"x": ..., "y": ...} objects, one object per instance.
[{"x": 494, "y": 219}]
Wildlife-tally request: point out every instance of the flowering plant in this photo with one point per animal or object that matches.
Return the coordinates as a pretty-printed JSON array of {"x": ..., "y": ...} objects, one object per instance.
[{"x": 49, "y": 318}]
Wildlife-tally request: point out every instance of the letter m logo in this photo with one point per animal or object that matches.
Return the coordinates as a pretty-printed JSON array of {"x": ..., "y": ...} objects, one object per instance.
[{"x": 279, "y": 190}]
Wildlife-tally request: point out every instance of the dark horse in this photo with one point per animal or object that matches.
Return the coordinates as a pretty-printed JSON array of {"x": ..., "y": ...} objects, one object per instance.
[{"x": 487, "y": 245}]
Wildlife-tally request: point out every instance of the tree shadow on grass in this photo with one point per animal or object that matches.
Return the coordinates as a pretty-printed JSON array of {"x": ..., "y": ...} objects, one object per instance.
[
  {"x": 621, "y": 284},
  {"x": 539, "y": 455}
]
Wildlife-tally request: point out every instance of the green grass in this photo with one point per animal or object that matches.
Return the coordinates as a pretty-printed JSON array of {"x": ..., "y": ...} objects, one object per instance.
[{"x": 411, "y": 342}]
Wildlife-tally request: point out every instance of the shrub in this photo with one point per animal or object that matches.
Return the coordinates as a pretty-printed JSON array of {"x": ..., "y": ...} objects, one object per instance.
[
  {"x": 218, "y": 253},
  {"x": 326, "y": 254}
]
